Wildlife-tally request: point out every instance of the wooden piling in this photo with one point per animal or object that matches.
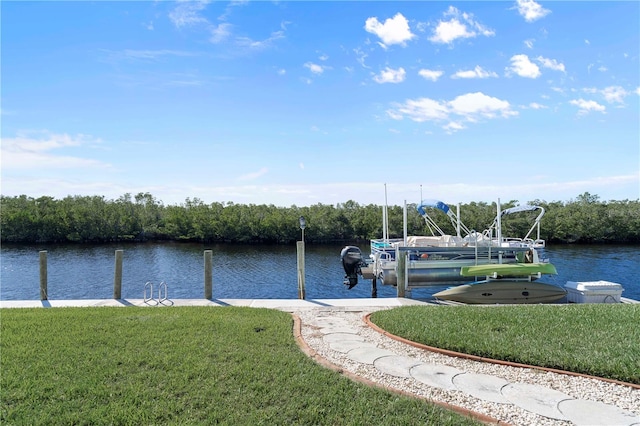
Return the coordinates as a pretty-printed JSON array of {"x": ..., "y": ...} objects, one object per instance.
[
  {"x": 117, "y": 276},
  {"x": 300, "y": 251},
  {"x": 374, "y": 288},
  {"x": 43, "y": 275},
  {"x": 374, "y": 282},
  {"x": 401, "y": 272},
  {"x": 208, "y": 274}
]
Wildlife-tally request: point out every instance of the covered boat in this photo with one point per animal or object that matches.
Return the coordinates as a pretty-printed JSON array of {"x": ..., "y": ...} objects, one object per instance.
[{"x": 435, "y": 259}]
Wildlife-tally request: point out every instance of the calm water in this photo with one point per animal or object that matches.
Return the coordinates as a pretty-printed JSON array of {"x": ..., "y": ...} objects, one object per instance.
[{"x": 251, "y": 272}]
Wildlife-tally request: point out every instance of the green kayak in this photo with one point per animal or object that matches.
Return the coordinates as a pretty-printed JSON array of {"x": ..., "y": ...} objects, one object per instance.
[{"x": 508, "y": 269}]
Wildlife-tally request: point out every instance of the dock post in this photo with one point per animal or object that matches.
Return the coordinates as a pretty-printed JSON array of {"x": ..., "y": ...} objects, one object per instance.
[
  {"x": 208, "y": 274},
  {"x": 117, "y": 276},
  {"x": 374, "y": 282},
  {"x": 43, "y": 275},
  {"x": 300, "y": 250},
  {"x": 401, "y": 272}
]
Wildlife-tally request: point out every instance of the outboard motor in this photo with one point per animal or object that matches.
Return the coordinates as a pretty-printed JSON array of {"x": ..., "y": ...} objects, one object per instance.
[{"x": 352, "y": 262}]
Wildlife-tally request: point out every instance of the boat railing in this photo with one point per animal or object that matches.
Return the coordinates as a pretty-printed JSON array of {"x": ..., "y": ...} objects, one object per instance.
[
  {"x": 383, "y": 255},
  {"x": 539, "y": 243},
  {"x": 527, "y": 240},
  {"x": 523, "y": 242},
  {"x": 418, "y": 241},
  {"x": 381, "y": 244}
]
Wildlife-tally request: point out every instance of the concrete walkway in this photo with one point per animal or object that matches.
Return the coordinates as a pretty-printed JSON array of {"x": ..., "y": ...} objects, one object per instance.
[
  {"x": 343, "y": 337},
  {"x": 288, "y": 305},
  {"x": 537, "y": 399}
]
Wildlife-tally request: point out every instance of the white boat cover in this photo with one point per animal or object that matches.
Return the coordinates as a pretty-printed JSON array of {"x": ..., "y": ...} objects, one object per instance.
[{"x": 439, "y": 241}]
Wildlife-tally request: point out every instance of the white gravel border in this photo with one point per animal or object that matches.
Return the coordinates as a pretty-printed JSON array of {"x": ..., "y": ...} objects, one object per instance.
[{"x": 624, "y": 397}]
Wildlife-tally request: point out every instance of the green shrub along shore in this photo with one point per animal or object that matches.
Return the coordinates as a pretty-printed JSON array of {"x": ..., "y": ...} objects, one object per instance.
[
  {"x": 181, "y": 365},
  {"x": 95, "y": 219}
]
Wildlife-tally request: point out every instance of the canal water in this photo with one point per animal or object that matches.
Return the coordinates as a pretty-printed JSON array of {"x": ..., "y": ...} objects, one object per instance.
[{"x": 252, "y": 272}]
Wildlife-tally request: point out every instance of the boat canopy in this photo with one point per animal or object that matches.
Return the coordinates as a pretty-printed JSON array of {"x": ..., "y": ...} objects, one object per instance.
[
  {"x": 431, "y": 224},
  {"x": 523, "y": 208},
  {"x": 432, "y": 203}
]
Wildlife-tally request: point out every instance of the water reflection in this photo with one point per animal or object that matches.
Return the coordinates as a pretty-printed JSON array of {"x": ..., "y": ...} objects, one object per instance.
[{"x": 246, "y": 272}]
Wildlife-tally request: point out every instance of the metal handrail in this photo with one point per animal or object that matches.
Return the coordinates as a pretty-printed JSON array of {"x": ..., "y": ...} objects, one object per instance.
[
  {"x": 148, "y": 285},
  {"x": 162, "y": 298},
  {"x": 163, "y": 294}
]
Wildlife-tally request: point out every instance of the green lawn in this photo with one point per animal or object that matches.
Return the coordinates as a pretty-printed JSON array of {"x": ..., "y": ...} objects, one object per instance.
[
  {"x": 180, "y": 365},
  {"x": 597, "y": 339}
]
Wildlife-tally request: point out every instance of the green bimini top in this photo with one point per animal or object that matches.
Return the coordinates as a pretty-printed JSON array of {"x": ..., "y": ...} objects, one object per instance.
[{"x": 508, "y": 269}]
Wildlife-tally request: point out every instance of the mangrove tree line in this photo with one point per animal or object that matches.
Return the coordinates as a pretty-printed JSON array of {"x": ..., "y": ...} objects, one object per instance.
[{"x": 141, "y": 217}]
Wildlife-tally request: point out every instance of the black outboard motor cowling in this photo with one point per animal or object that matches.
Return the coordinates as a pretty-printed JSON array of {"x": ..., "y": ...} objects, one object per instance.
[{"x": 352, "y": 262}]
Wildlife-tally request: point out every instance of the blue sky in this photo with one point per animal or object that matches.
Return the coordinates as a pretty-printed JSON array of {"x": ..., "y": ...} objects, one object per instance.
[{"x": 321, "y": 102}]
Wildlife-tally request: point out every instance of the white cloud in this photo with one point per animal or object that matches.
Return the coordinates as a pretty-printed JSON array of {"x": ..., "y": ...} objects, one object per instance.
[
  {"x": 477, "y": 72},
  {"x": 228, "y": 9},
  {"x": 522, "y": 66},
  {"x": 260, "y": 44},
  {"x": 396, "y": 114},
  {"x": 254, "y": 175},
  {"x": 422, "y": 109},
  {"x": 535, "y": 105},
  {"x": 453, "y": 126},
  {"x": 613, "y": 94},
  {"x": 432, "y": 75},
  {"x": 471, "y": 107},
  {"x": 585, "y": 107},
  {"x": 315, "y": 68},
  {"x": 26, "y": 152},
  {"x": 479, "y": 104},
  {"x": 187, "y": 13},
  {"x": 529, "y": 43},
  {"x": 530, "y": 10},
  {"x": 220, "y": 33},
  {"x": 446, "y": 32},
  {"x": 394, "y": 30},
  {"x": 637, "y": 91},
  {"x": 389, "y": 75},
  {"x": 551, "y": 64},
  {"x": 460, "y": 25},
  {"x": 360, "y": 57}
]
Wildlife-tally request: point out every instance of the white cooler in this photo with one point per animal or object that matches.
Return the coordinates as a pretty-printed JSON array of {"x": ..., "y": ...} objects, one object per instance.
[{"x": 593, "y": 292}]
